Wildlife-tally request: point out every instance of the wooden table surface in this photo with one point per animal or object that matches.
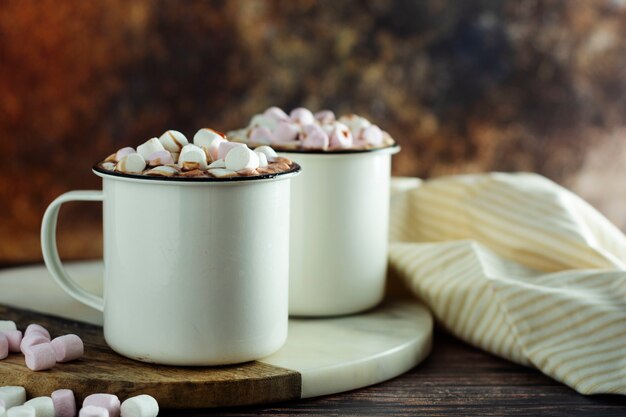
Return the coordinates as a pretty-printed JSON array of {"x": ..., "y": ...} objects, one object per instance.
[{"x": 456, "y": 379}]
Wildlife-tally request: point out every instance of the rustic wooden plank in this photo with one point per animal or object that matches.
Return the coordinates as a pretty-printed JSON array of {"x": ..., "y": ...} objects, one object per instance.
[{"x": 102, "y": 370}]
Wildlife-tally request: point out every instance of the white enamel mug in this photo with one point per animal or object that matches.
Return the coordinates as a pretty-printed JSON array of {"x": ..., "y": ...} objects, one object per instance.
[
  {"x": 339, "y": 231},
  {"x": 195, "y": 269}
]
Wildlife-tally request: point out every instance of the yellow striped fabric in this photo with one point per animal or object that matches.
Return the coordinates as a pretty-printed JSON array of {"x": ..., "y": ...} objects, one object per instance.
[{"x": 520, "y": 267}]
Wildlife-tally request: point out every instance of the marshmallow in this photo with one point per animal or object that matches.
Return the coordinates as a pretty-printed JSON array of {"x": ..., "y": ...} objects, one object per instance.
[
  {"x": 22, "y": 411},
  {"x": 270, "y": 153},
  {"x": 262, "y": 120},
  {"x": 133, "y": 163},
  {"x": 355, "y": 123},
  {"x": 40, "y": 357},
  {"x": 7, "y": 325},
  {"x": 341, "y": 137},
  {"x": 64, "y": 403},
  {"x": 4, "y": 346},
  {"x": 160, "y": 158},
  {"x": 222, "y": 173},
  {"x": 262, "y": 159},
  {"x": 205, "y": 137},
  {"x": 325, "y": 116},
  {"x": 15, "y": 339},
  {"x": 12, "y": 396},
  {"x": 276, "y": 114},
  {"x": 151, "y": 146},
  {"x": 32, "y": 340},
  {"x": 192, "y": 157},
  {"x": 93, "y": 411},
  {"x": 286, "y": 132},
  {"x": 372, "y": 135},
  {"x": 123, "y": 152},
  {"x": 44, "y": 407},
  {"x": 302, "y": 116},
  {"x": 173, "y": 140},
  {"x": 68, "y": 348},
  {"x": 108, "y": 401},
  {"x": 109, "y": 166},
  {"x": 225, "y": 147},
  {"x": 314, "y": 137},
  {"x": 217, "y": 164},
  {"x": 37, "y": 329},
  {"x": 241, "y": 158},
  {"x": 140, "y": 406},
  {"x": 261, "y": 134},
  {"x": 162, "y": 171}
]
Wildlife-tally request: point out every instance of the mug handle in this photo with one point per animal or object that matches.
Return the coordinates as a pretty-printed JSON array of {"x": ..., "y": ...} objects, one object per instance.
[{"x": 51, "y": 253}]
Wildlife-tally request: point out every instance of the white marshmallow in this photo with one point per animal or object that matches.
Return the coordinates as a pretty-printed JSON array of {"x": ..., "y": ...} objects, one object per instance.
[
  {"x": 205, "y": 137},
  {"x": 7, "y": 325},
  {"x": 340, "y": 137},
  {"x": 217, "y": 164},
  {"x": 260, "y": 134},
  {"x": 302, "y": 116},
  {"x": 109, "y": 166},
  {"x": 151, "y": 146},
  {"x": 276, "y": 114},
  {"x": 226, "y": 147},
  {"x": 241, "y": 158},
  {"x": 262, "y": 159},
  {"x": 140, "y": 406},
  {"x": 162, "y": 171},
  {"x": 21, "y": 411},
  {"x": 261, "y": 120},
  {"x": 133, "y": 163},
  {"x": 44, "y": 407},
  {"x": 285, "y": 132},
  {"x": 355, "y": 123},
  {"x": 192, "y": 157},
  {"x": 372, "y": 135},
  {"x": 12, "y": 396},
  {"x": 160, "y": 158},
  {"x": 270, "y": 153},
  {"x": 222, "y": 173},
  {"x": 123, "y": 152},
  {"x": 173, "y": 140}
]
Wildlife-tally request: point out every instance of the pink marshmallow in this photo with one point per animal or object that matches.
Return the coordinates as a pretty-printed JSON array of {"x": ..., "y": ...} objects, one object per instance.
[
  {"x": 325, "y": 116},
  {"x": 64, "y": 403},
  {"x": 40, "y": 357},
  {"x": 314, "y": 137},
  {"x": 286, "y": 132},
  {"x": 123, "y": 152},
  {"x": 15, "y": 338},
  {"x": 68, "y": 348},
  {"x": 93, "y": 411},
  {"x": 37, "y": 329},
  {"x": 340, "y": 137},
  {"x": 275, "y": 114},
  {"x": 302, "y": 116},
  {"x": 31, "y": 340},
  {"x": 108, "y": 401},
  {"x": 372, "y": 135},
  {"x": 261, "y": 134},
  {"x": 4, "y": 346},
  {"x": 225, "y": 147},
  {"x": 160, "y": 158}
]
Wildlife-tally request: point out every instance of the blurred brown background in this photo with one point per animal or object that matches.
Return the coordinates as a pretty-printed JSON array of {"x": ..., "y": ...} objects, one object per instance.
[{"x": 464, "y": 86}]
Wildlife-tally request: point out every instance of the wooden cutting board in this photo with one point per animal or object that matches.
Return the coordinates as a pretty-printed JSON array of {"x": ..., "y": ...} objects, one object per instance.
[{"x": 321, "y": 356}]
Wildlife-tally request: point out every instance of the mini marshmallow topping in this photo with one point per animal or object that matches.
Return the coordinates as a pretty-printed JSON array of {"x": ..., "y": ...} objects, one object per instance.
[
  {"x": 209, "y": 156},
  {"x": 302, "y": 129}
]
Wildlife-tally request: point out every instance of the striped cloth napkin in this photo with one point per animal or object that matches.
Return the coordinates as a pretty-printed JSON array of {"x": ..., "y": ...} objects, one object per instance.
[{"x": 520, "y": 267}]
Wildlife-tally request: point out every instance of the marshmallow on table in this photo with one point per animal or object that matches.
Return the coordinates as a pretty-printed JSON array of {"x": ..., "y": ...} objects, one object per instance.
[
  {"x": 7, "y": 325},
  {"x": 12, "y": 396},
  {"x": 270, "y": 154},
  {"x": 149, "y": 147},
  {"x": 68, "y": 347},
  {"x": 44, "y": 407},
  {"x": 341, "y": 137},
  {"x": 4, "y": 346},
  {"x": 22, "y": 411},
  {"x": 123, "y": 152},
  {"x": 64, "y": 403},
  {"x": 160, "y": 158},
  {"x": 15, "y": 339},
  {"x": 314, "y": 137},
  {"x": 192, "y": 157},
  {"x": 108, "y": 401},
  {"x": 302, "y": 116},
  {"x": 261, "y": 134},
  {"x": 133, "y": 163},
  {"x": 37, "y": 329},
  {"x": 40, "y": 357},
  {"x": 93, "y": 411},
  {"x": 226, "y": 147},
  {"x": 32, "y": 340},
  {"x": 241, "y": 158},
  {"x": 173, "y": 141},
  {"x": 286, "y": 132},
  {"x": 140, "y": 406}
]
